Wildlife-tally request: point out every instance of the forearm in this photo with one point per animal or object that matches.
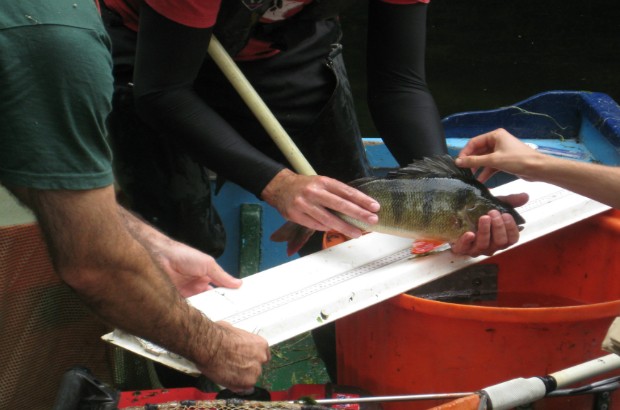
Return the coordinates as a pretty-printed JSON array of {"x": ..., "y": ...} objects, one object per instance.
[
  {"x": 210, "y": 139},
  {"x": 153, "y": 240},
  {"x": 116, "y": 277},
  {"x": 599, "y": 182},
  {"x": 138, "y": 297},
  {"x": 167, "y": 100},
  {"x": 400, "y": 102}
]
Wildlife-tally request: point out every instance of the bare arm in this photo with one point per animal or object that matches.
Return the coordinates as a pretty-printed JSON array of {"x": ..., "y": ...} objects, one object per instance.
[
  {"x": 116, "y": 277},
  {"x": 599, "y": 182},
  {"x": 500, "y": 151}
]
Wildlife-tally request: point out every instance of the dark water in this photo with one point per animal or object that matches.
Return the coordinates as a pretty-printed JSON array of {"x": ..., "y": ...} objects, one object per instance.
[
  {"x": 529, "y": 300},
  {"x": 484, "y": 54}
]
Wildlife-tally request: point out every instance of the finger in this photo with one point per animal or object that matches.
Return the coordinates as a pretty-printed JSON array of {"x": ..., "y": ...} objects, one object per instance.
[
  {"x": 346, "y": 229},
  {"x": 311, "y": 222},
  {"x": 349, "y": 201},
  {"x": 512, "y": 229},
  {"x": 220, "y": 277},
  {"x": 311, "y": 210},
  {"x": 515, "y": 200},
  {"x": 498, "y": 230},
  {"x": 347, "y": 195},
  {"x": 321, "y": 217},
  {"x": 477, "y": 163},
  {"x": 483, "y": 235},
  {"x": 466, "y": 161},
  {"x": 486, "y": 174},
  {"x": 333, "y": 222},
  {"x": 483, "y": 242},
  {"x": 340, "y": 225},
  {"x": 267, "y": 354},
  {"x": 464, "y": 244},
  {"x": 480, "y": 144}
]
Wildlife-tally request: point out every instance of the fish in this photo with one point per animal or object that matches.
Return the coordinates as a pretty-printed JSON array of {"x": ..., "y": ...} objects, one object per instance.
[{"x": 430, "y": 200}]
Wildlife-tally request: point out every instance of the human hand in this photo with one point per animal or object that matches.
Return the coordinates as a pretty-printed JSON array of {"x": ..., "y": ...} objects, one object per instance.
[
  {"x": 236, "y": 361},
  {"x": 192, "y": 271},
  {"x": 307, "y": 200},
  {"x": 495, "y": 231},
  {"x": 498, "y": 150}
]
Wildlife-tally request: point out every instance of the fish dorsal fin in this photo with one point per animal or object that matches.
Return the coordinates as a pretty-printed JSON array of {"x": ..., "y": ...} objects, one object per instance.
[
  {"x": 442, "y": 166},
  {"x": 439, "y": 166}
]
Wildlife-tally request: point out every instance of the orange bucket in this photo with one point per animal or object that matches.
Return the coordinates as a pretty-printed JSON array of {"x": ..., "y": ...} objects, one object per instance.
[{"x": 557, "y": 296}]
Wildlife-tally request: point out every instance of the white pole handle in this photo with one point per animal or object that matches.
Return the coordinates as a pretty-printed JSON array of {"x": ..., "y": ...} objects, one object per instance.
[
  {"x": 586, "y": 370},
  {"x": 259, "y": 108}
]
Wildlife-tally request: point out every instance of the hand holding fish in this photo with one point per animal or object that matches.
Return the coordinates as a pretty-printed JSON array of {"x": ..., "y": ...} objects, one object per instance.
[
  {"x": 495, "y": 231},
  {"x": 309, "y": 200},
  {"x": 432, "y": 201},
  {"x": 496, "y": 151}
]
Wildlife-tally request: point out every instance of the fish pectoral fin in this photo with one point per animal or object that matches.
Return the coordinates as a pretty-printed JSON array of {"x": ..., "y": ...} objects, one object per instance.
[
  {"x": 424, "y": 246},
  {"x": 295, "y": 235},
  {"x": 332, "y": 238}
]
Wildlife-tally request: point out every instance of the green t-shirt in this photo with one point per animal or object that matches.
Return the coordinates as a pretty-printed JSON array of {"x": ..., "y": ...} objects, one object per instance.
[{"x": 56, "y": 77}]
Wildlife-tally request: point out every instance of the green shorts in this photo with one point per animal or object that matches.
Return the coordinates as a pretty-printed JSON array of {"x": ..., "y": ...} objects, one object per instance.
[{"x": 56, "y": 76}]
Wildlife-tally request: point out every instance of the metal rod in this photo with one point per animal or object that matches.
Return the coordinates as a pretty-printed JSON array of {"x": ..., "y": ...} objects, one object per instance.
[
  {"x": 374, "y": 399},
  {"x": 575, "y": 373}
]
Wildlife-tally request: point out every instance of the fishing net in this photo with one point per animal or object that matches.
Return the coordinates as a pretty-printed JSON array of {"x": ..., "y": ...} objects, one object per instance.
[
  {"x": 229, "y": 404},
  {"x": 45, "y": 329}
]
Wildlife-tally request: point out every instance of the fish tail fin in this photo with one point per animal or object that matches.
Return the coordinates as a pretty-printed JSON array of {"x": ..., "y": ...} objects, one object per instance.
[{"x": 294, "y": 234}]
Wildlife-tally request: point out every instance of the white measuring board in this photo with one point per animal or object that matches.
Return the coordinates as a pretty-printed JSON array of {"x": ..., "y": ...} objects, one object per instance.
[{"x": 298, "y": 296}]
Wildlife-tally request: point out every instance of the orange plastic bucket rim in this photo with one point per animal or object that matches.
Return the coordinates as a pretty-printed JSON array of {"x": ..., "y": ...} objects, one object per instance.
[{"x": 508, "y": 314}]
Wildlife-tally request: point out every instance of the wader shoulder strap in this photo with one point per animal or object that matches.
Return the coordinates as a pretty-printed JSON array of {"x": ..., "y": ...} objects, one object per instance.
[{"x": 237, "y": 20}]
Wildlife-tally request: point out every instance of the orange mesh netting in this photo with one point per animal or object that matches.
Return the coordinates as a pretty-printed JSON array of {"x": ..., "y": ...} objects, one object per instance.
[{"x": 45, "y": 328}]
